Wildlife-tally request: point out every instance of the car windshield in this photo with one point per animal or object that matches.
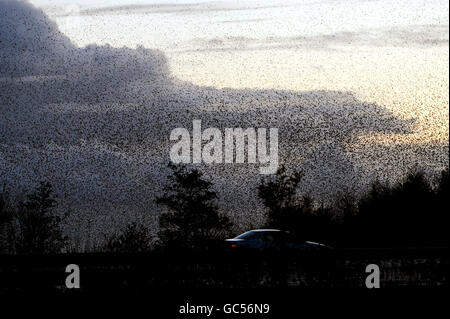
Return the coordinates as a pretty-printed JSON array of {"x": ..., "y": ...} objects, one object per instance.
[{"x": 246, "y": 235}]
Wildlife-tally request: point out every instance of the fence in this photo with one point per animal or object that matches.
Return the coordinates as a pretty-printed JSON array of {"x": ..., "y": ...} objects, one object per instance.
[{"x": 231, "y": 269}]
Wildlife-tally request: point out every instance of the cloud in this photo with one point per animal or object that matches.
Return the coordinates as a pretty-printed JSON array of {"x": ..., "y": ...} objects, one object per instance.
[
  {"x": 180, "y": 8},
  {"x": 95, "y": 121},
  {"x": 411, "y": 36}
]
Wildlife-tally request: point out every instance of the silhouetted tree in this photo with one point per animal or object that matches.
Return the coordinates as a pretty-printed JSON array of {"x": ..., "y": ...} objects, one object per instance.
[
  {"x": 193, "y": 220},
  {"x": 289, "y": 210},
  {"x": 442, "y": 189},
  {"x": 135, "y": 238},
  {"x": 39, "y": 229},
  {"x": 280, "y": 191},
  {"x": 441, "y": 209},
  {"x": 6, "y": 228},
  {"x": 405, "y": 214},
  {"x": 279, "y": 195}
]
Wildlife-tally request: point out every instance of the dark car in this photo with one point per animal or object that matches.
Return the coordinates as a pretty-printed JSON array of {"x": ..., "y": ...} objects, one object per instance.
[{"x": 271, "y": 239}]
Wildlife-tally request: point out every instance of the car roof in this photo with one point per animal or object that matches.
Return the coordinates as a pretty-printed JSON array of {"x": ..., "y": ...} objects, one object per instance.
[
  {"x": 257, "y": 231},
  {"x": 265, "y": 230}
]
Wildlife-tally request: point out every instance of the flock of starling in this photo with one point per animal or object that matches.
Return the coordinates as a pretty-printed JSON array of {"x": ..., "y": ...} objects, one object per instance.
[{"x": 95, "y": 122}]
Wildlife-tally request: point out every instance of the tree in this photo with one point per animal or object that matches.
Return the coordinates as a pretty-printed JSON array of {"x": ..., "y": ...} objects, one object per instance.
[
  {"x": 280, "y": 192},
  {"x": 279, "y": 195},
  {"x": 404, "y": 214},
  {"x": 443, "y": 190},
  {"x": 193, "y": 220},
  {"x": 289, "y": 210},
  {"x": 39, "y": 229},
  {"x": 134, "y": 239},
  {"x": 6, "y": 229},
  {"x": 442, "y": 208}
]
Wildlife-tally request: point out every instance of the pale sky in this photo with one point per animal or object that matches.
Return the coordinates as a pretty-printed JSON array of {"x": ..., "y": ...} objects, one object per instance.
[{"x": 394, "y": 53}]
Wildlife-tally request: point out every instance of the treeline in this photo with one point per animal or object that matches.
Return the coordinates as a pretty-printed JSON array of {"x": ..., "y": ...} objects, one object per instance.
[
  {"x": 411, "y": 213},
  {"x": 31, "y": 226}
]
